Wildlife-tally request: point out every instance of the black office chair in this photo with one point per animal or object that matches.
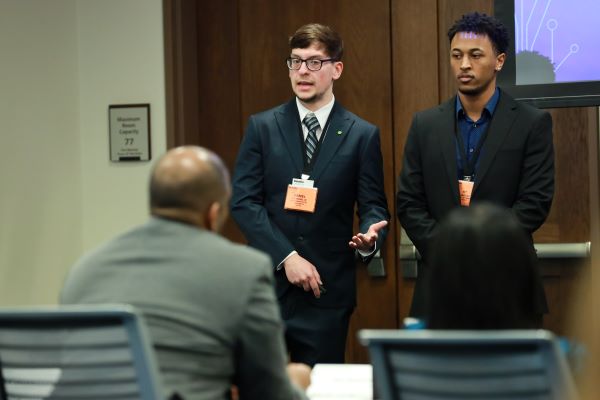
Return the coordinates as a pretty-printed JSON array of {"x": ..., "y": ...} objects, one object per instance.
[
  {"x": 468, "y": 365},
  {"x": 76, "y": 352}
]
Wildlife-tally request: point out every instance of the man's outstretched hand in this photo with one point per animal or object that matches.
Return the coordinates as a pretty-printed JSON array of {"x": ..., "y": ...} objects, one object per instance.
[{"x": 365, "y": 241}]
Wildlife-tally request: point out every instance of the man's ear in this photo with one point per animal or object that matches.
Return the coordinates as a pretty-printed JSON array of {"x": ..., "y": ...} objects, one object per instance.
[
  {"x": 338, "y": 67},
  {"x": 500, "y": 58},
  {"x": 212, "y": 217}
]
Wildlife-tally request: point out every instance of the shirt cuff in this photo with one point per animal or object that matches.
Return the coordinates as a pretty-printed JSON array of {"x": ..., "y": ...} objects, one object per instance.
[
  {"x": 364, "y": 254},
  {"x": 280, "y": 265}
]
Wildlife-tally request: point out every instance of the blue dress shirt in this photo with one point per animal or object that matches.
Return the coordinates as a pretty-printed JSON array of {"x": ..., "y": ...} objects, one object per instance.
[{"x": 472, "y": 131}]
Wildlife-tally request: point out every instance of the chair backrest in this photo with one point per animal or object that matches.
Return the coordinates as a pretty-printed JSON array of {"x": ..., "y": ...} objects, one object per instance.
[
  {"x": 441, "y": 365},
  {"x": 76, "y": 352}
]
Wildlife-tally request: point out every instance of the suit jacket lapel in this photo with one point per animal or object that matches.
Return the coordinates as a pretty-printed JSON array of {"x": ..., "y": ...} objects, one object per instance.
[
  {"x": 445, "y": 129},
  {"x": 503, "y": 118},
  {"x": 339, "y": 127},
  {"x": 287, "y": 121}
]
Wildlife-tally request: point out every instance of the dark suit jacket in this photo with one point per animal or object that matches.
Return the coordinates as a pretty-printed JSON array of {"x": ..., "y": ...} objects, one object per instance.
[
  {"x": 516, "y": 168},
  {"x": 347, "y": 172}
]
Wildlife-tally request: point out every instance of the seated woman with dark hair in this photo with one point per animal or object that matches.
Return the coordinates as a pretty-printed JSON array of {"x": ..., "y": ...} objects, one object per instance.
[{"x": 483, "y": 272}]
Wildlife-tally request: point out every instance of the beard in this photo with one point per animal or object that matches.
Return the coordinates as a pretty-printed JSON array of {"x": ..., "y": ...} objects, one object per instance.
[
  {"x": 309, "y": 99},
  {"x": 475, "y": 90},
  {"x": 472, "y": 91}
]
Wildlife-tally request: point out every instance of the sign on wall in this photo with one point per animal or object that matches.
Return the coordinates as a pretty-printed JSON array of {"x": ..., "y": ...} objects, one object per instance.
[{"x": 129, "y": 126}]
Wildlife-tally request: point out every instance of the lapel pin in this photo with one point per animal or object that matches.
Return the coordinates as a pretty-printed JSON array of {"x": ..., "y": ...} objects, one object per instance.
[{"x": 339, "y": 132}]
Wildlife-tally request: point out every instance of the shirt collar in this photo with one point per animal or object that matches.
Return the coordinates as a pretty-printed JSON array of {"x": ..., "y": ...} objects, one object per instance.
[
  {"x": 490, "y": 105},
  {"x": 322, "y": 113}
]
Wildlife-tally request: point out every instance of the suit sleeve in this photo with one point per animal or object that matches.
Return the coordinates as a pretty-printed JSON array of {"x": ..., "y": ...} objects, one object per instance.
[
  {"x": 536, "y": 187},
  {"x": 371, "y": 200},
  {"x": 247, "y": 201},
  {"x": 260, "y": 353},
  {"x": 411, "y": 198}
]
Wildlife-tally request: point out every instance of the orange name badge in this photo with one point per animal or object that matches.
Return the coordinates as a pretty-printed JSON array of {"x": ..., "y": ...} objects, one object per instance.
[
  {"x": 301, "y": 198},
  {"x": 465, "y": 188}
]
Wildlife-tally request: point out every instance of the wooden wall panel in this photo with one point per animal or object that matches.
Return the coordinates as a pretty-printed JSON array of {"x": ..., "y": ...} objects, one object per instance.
[
  {"x": 415, "y": 85},
  {"x": 575, "y": 138},
  {"x": 366, "y": 90},
  {"x": 218, "y": 62},
  {"x": 181, "y": 50},
  {"x": 218, "y": 68},
  {"x": 264, "y": 29},
  {"x": 202, "y": 67},
  {"x": 569, "y": 219}
]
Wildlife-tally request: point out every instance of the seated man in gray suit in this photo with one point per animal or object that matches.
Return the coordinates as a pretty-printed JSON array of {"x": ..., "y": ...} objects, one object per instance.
[{"x": 209, "y": 304}]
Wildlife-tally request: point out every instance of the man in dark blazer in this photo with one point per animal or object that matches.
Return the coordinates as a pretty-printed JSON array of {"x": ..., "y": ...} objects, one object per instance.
[
  {"x": 312, "y": 147},
  {"x": 480, "y": 145}
]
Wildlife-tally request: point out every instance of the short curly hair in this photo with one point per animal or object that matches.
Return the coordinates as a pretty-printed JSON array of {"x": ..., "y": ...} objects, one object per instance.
[{"x": 482, "y": 24}]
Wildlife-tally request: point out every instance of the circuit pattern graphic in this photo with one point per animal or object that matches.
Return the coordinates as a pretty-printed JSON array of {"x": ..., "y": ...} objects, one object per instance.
[{"x": 557, "y": 40}]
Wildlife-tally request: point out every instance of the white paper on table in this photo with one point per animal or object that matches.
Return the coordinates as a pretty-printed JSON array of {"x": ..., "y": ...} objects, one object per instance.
[{"x": 341, "y": 381}]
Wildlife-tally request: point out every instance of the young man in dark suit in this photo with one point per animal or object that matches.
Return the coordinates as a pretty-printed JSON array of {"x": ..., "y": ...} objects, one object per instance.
[
  {"x": 481, "y": 145},
  {"x": 301, "y": 169}
]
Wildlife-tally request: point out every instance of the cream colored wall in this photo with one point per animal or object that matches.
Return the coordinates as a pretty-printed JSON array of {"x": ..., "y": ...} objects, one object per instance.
[
  {"x": 63, "y": 62},
  {"x": 40, "y": 180},
  {"x": 121, "y": 61}
]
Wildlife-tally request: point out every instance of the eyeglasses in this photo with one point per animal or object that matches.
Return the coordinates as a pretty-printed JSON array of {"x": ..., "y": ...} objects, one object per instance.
[{"x": 312, "y": 64}]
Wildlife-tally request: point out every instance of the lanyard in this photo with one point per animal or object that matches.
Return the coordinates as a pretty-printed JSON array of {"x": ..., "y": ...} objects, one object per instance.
[{"x": 469, "y": 165}]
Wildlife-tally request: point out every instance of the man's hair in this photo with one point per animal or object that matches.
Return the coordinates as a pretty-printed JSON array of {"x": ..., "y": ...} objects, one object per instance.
[
  {"x": 482, "y": 24},
  {"x": 308, "y": 34},
  {"x": 483, "y": 272},
  {"x": 177, "y": 189}
]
